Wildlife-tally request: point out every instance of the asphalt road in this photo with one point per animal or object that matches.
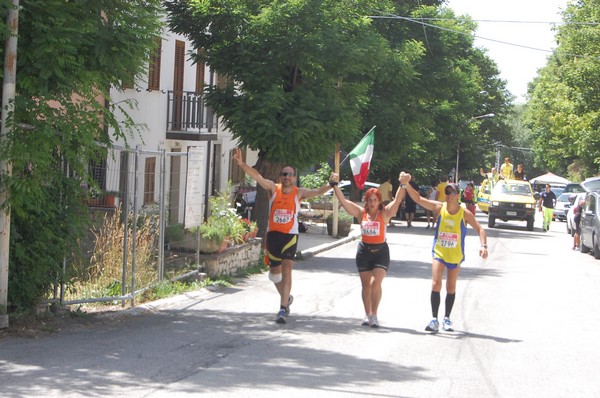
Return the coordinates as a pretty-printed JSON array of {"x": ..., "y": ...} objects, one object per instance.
[{"x": 526, "y": 325}]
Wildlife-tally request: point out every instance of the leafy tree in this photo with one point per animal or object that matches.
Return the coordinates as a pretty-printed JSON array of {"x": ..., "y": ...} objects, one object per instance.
[
  {"x": 418, "y": 112},
  {"x": 69, "y": 54},
  {"x": 564, "y": 108},
  {"x": 302, "y": 70}
]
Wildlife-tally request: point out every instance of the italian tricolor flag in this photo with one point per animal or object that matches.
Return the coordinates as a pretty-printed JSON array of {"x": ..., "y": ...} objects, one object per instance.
[{"x": 360, "y": 158}]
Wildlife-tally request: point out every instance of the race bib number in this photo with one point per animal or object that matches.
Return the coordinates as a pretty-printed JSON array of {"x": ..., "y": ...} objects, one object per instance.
[
  {"x": 282, "y": 216},
  {"x": 448, "y": 240},
  {"x": 370, "y": 228}
]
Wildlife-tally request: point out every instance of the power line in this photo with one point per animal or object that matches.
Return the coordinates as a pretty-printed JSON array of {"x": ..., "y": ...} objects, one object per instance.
[{"x": 421, "y": 21}]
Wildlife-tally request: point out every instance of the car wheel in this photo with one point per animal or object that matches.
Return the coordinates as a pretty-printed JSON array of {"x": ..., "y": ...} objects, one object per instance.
[
  {"x": 491, "y": 221},
  {"x": 595, "y": 247},
  {"x": 530, "y": 223},
  {"x": 583, "y": 247}
]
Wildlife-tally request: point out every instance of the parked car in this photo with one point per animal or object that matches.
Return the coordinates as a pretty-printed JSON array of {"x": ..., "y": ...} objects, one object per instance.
[
  {"x": 483, "y": 196},
  {"x": 574, "y": 187},
  {"x": 591, "y": 184},
  {"x": 590, "y": 224},
  {"x": 574, "y": 198},
  {"x": 557, "y": 191},
  {"x": 512, "y": 200},
  {"x": 562, "y": 205}
]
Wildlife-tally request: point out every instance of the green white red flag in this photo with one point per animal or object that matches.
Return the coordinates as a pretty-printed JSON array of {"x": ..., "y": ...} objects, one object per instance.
[{"x": 360, "y": 158}]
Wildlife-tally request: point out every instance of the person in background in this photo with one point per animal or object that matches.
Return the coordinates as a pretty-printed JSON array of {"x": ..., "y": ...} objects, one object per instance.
[
  {"x": 448, "y": 247},
  {"x": 546, "y": 205},
  {"x": 507, "y": 170},
  {"x": 492, "y": 176},
  {"x": 441, "y": 196},
  {"x": 410, "y": 206},
  {"x": 283, "y": 228},
  {"x": 385, "y": 189},
  {"x": 520, "y": 173},
  {"x": 577, "y": 219},
  {"x": 468, "y": 197},
  {"x": 431, "y": 195}
]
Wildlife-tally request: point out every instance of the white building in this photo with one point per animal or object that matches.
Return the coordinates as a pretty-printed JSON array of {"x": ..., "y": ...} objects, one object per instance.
[{"x": 171, "y": 107}]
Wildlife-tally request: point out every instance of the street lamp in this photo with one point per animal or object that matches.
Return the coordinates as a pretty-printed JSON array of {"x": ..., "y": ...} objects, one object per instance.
[{"x": 486, "y": 116}]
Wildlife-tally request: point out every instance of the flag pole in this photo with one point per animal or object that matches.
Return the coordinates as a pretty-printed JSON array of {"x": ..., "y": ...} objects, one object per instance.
[
  {"x": 334, "y": 208},
  {"x": 348, "y": 155}
]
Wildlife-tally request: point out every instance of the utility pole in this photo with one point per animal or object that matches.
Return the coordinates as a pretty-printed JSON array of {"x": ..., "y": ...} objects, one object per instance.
[{"x": 8, "y": 97}]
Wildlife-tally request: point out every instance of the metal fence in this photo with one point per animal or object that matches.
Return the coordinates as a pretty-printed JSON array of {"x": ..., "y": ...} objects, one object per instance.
[{"x": 137, "y": 237}]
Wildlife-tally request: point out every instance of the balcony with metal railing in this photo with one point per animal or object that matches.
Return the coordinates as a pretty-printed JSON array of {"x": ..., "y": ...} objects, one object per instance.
[{"x": 188, "y": 117}]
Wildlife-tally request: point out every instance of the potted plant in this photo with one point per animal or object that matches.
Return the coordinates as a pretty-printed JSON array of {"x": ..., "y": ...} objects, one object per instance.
[
  {"x": 250, "y": 229},
  {"x": 93, "y": 196},
  {"x": 344, "y": 223},
  {"x": 212, "y": 237},
  {"x": 110, "y": 199}
]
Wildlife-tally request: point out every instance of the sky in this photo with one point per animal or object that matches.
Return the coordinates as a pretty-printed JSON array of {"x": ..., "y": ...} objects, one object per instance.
[{"x": 518, "y": 66}]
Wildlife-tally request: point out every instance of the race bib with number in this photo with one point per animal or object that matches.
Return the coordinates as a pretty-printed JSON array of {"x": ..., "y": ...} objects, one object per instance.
[
  {"x": 370, "y": 228},
  {"x": 283, "y": 216},
  {"x": 447, "y": 239}
]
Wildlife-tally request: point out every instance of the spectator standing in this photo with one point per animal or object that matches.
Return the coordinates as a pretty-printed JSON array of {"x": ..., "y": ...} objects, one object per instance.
[
  {"x": 410, "y": 207},
  {"x": 468, "y": 197},
  {"x": 520, "y": 173},
  {"x": 577, "y": 219},
  {"x": 546, "y": 206},
  {"x": 507, "y": 170},
  {"x": 440, "y": 188},
  {"x": 385, "y": 189}
]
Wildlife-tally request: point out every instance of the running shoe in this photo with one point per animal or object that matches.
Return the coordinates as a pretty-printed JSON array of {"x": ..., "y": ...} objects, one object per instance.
[
  {"x": 447, "y": 325},
  {"x": 281, "y": 316},
  {"x": 290, "y": 301},
  {"x": 433, "y": 326},
  {"x": 373, "y": 320},
  {"x": 366, "y": 321}
]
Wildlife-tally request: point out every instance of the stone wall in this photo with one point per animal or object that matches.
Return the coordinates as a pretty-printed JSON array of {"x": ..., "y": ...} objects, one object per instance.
[{"x": 232, "y": 260}]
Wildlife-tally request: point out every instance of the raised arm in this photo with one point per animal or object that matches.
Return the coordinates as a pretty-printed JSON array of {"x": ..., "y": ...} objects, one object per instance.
[
  {"x": 432, "y": 205},
  {"x": 252, "y": 172},
  {"x": 351, "y": 208},
  {"x": 305, "y": 193},
  {"x": 392, "y": 208}
]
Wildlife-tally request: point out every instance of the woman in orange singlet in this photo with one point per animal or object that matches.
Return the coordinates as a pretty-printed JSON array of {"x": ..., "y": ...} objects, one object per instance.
[{"x": 373, "y": 253}]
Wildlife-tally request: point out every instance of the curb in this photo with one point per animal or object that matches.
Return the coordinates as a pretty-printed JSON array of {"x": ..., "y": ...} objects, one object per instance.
[{"x": 308, "y": 253}]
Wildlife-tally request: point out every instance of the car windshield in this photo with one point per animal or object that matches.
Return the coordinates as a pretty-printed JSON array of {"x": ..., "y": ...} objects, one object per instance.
[
  {"x": 512, "y": 189},
  {"x": 564, "y": 197}
]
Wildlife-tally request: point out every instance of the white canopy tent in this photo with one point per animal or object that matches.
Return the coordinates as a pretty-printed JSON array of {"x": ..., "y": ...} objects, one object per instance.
[{"x": 549, "y": 178}]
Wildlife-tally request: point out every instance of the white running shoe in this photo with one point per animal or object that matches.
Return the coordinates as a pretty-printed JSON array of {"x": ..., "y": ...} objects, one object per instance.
[
  {"x": 433, "y": 326},
  {"x": 447, "y": 325}
]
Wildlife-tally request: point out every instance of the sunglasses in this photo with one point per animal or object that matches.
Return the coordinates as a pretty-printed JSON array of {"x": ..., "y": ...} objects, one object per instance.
[
  {"x": 286, "y": 174},
  {"x": 450, "y": 191}
]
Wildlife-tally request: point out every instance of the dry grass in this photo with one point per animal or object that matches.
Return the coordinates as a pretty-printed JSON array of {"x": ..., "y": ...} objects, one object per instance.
[{"x": 104, "y": 274}]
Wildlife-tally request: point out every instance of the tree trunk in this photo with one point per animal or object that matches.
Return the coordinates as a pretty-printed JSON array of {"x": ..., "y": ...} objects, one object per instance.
[{"x": 260, "y": 213}]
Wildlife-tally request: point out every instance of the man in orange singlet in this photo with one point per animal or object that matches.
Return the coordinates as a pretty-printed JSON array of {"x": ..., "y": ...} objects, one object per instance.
[{"x": 282, "y": 233}]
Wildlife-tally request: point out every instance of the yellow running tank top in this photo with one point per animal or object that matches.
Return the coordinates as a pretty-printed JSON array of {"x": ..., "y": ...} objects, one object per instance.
[{"x": 449, "y": 240}]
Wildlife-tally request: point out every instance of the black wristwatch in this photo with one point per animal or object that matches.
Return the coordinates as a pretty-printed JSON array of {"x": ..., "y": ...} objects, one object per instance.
[
  {"x": 333, "y": 183},
  {"x": 484, "y": 246}
]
